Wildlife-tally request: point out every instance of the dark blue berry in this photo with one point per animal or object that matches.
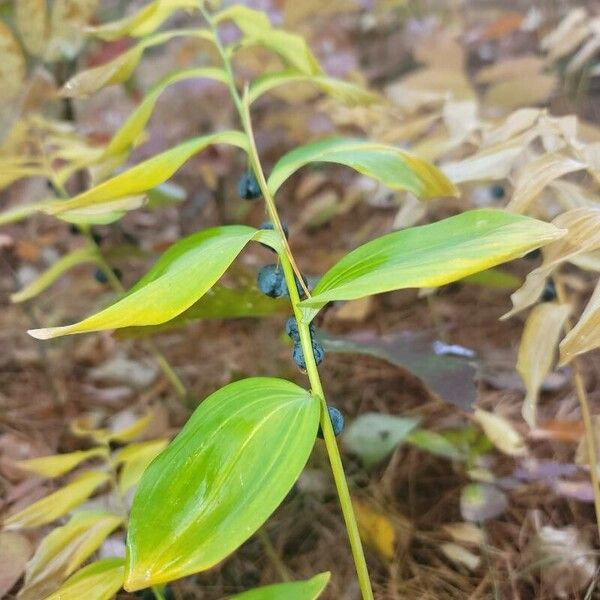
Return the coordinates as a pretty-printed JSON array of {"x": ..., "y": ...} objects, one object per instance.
[
  {"x": 533, "y": 254},
  {"x": 337, "y": 421},
  {"x": 291, "y": 328},
  {"x": 271, "y": 281},
  {"x": 268, "y": 225},
  {"x": 100, "y": 277},
  {"x": 549, "y": 293},
  {"x": 298, "y": 354},
  {"x": 497, "y": 192},
  {"x": 248, "y": 187}
]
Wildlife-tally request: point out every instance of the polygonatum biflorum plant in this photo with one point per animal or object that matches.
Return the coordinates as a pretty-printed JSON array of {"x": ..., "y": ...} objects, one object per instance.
[{"x": 243, "y": 448}]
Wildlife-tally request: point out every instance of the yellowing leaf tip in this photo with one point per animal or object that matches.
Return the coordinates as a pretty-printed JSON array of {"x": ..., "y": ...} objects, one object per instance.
[{"x": 45, "y": 333}]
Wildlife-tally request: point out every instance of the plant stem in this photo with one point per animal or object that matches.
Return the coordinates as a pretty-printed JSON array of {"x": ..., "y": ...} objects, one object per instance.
[
  {"x": 291, "y": 271},
  {"x": 586, "y": 415},
  {"x": 158, "y": 592},
  {"x": 333, "y": 452}
]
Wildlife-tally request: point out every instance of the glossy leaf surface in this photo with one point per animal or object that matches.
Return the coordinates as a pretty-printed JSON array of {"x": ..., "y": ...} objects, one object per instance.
[
  {"x": 147, "y": 174},
  {"x": 391, "y": 166},
  {"x": 64, "y": 549},
  {"x": 182, "y": 275},
  {"x": 309, "y": 589},
  {"x": 100, "y": 580},
  {"x": 134, "y": 460},
  {"x": 431, "y": 255},
  {"x": 58, "y": 503},
  {"x": 228, "y": 469},
  {"x": 56, "y": 465}
]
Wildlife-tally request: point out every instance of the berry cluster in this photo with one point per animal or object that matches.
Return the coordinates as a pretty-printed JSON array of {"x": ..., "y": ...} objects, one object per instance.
[
  {"x": 291, "y": 329},
  {"x": 248, "y": 187}
]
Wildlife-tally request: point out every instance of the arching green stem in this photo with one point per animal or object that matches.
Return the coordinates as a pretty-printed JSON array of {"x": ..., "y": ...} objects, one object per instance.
[{"x": 291, "y": 271}]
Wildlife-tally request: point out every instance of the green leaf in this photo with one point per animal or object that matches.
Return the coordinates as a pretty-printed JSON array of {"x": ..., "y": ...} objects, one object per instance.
[
  {"x": 100, "y": 580},
  {"x": 129, "y": 133},
  {"x": 61, "y": 266},
  {"x": 309, "y": 589},
  {"x": 249, "y": 20},
  {"x": 342, "y": 90},
  {"x": 182, "y": 275},
  {"x": 58, "y": 503},
  {"x": 291, "y": 48},
  {"x": 374, "y": 436},
  {"x": 145, "y": 21},
  {"x": 64, "y": 549},
  {"x": 391, "y": 166},
  {"x": 257, "y": 31},
  {"x": 494, "y": 279},
  {"x": 56, "y": 465},
  {"x": 431, "y": 255},
  {"x": 147, "y": 174},
  {"x": 20, "y": 212},
  {"x": 228, "y": 469},
  {"x": 219, "y": 302},
  {"x": 120, "y": 69},
  {"x": 435, "y": 443}
]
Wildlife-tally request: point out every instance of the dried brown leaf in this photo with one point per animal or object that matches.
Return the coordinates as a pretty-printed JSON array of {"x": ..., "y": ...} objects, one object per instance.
[
  {"x": 585, "y": 336},
  {"x": 537, "y": 351},
  {"x": 582, "y": 236}
]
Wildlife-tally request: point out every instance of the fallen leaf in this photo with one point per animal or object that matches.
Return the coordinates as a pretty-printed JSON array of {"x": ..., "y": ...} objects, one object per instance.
[
  {"x": 451, "y": 378},
  {"x": 585, "y": 336},
  {"x": 565, "y": 559},
  {"x": 376, "y": 529},
  {"x": 461, "y": 556},
  {"x": 537, "y": 351},
  {"x": 15, "y": 550},
  {"x": 373, "y": 436},
  {"x": 501, "y": 433},
  {"x": 480, "y": 502}
]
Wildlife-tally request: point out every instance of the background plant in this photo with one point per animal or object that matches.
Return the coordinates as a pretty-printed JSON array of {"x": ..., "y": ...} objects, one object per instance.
[{"x": 352, "y": 290}]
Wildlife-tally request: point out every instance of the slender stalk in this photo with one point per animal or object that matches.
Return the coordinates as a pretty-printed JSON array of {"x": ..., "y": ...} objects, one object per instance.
[
  {"x": 158, "y": 592},
  {"x": 586, "y": 414},
  {"x": 291, "y": 271},
  {"x": 117, "y": 286}
]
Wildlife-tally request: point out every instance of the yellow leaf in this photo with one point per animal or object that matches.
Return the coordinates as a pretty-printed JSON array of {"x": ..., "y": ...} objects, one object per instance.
[
  {"x": 100, "y": 580},
  {"x": 536, "y": 175},
  {"x": 67, "y": 23},
  {"x": 12, "y": 65},
  {"x": 134, "y": 460},
  {"x": 58, "y": 503},
  {"x": 63, "y": 551},
  {"x": 86, "y": 427},
  {"x": 147, "y": 174},
  {"x": 583, "y": 235},
  {"x": 501, "y": 433},
  {"x": 129, "y": 133},
  {"x": 585, "y": 336},
  {"x": 105, "y": 213},
  {"x": 537, "y": 350},
  {"x": 32, "y": 22},
  {"x": 59, "y": 464},
  {"x": 116, "y": 71},
  {"x": 376, "y": 529},
  {"x": 143, "y": 22},
  {"x": 249, "y": 20}
]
